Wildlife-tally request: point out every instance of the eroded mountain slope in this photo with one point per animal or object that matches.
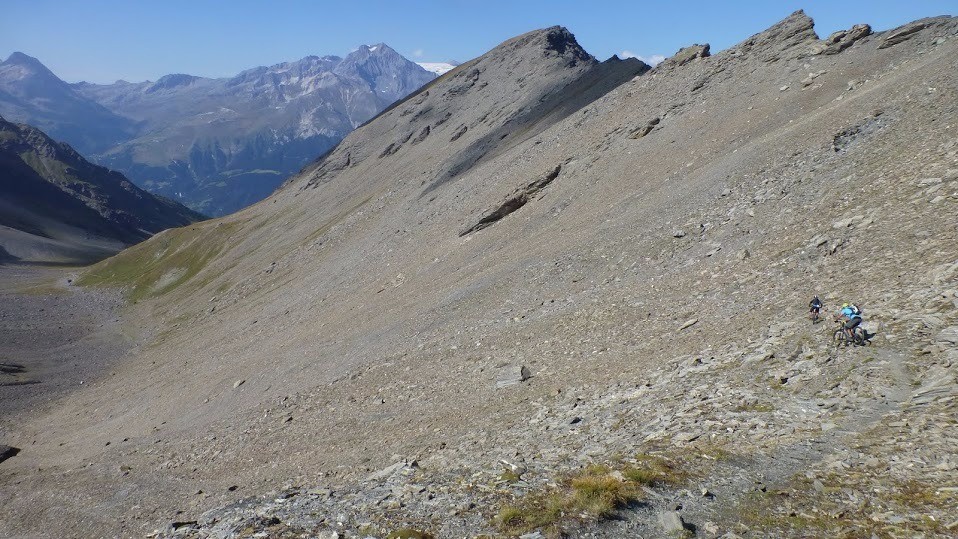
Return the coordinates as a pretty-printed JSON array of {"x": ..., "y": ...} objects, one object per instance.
[{"x": 645, "y": 252}]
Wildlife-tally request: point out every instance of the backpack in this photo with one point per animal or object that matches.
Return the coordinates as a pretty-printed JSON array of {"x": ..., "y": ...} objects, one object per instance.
[{"x": 855, "y": 310}]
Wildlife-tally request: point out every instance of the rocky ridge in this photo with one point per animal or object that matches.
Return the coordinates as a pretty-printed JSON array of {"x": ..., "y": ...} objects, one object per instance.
[{"x": 639, "y": 307}]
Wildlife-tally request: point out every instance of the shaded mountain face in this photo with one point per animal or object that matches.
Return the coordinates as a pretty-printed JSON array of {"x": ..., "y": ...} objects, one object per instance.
[
  {"x": 551, "y": 261},
  {"x": 57, "y": 207},
  {"x": 216, "y": 145}
]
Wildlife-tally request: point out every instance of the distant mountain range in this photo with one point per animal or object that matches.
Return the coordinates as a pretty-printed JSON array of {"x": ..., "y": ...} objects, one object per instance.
[
  {"x": 216, "y": 145},
  {"x": 55, "y": 206}
]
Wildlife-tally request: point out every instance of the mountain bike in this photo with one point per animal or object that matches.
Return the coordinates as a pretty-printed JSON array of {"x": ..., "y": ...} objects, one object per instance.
[{"x": 841, "y": 337}]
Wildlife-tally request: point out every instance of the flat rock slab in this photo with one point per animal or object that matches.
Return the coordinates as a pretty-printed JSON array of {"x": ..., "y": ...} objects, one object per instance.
[
  {"x": 672, "y": 523},
  {"x": 512, "y": 375},
  {"x": 7, "y": 451}
]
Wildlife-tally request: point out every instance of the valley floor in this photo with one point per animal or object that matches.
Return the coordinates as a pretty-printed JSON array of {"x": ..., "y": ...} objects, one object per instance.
[{"x": 54, "y": 341}]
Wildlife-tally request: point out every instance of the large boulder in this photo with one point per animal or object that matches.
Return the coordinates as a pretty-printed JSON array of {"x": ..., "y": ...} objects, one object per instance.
[{"x": 7, "y": 451}]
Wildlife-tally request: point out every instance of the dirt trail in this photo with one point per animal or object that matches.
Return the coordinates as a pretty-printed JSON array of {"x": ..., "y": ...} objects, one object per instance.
[{"x": 738, "y": 480}]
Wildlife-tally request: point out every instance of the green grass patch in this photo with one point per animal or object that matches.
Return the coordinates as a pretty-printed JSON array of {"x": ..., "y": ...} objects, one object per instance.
[
  {"x": 755, "y": 407},
  {"x": 592, "y": 494},
  {"x": 510, "y": 476},
  {"x": 163, "y": 263},
  {"x": 907, "y": 508},
  {"x": 654, "y": 470}
]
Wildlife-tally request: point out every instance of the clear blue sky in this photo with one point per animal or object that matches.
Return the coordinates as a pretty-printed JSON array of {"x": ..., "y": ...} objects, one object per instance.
[{"x": 101, "y": 40}]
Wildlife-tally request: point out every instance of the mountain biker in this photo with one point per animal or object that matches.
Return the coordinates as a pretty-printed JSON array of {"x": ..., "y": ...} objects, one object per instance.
[
  {"x": 814, "y": 307},
  {"x": 853, "y": 318}
]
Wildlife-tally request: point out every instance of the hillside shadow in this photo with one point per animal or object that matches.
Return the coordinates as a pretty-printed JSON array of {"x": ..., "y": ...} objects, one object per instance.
[
  {"x": 524, "y": 124},
  {"x": 7, "y": 258}
]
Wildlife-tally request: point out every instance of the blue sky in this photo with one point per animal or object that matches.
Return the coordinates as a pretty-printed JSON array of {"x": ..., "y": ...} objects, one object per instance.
[{"x": 101, "y": 40}]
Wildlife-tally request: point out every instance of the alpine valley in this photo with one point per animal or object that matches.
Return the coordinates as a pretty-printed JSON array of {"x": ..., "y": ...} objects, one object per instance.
[{"x": 215, "y": 145}]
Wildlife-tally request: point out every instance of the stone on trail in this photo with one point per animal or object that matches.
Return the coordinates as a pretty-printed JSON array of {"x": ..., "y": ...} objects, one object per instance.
[
  {"x": 512, "y": 375},
  {"x": 685, "y": 437},
  {"x": 949, "y": 335},
  {"x": 672, "y": 522},
  {"x": 387, "y": 471},
  {"x": 689, "y": 323},
  {"x": 238, "y": 383}
]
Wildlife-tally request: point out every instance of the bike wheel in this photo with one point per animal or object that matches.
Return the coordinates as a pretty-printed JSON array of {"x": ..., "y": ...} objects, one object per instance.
[
  {"x": 838, "y": 337},
  {"x": 860, "y": 338}
]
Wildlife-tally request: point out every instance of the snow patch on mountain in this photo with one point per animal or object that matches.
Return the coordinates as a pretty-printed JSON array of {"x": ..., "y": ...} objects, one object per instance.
[{"x": 439, "y": 68}]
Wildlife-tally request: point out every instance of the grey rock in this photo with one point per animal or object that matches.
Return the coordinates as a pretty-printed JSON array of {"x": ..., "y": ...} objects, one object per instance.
[
  {"x": 904, "y": 33},
  {"x": 386, "y": 472},
  {"x": 685, "y": 55},
  {"x": 7, "y": 452},
  {"x": 842, "y": 39},
  {"x": 512, "y": 375},
  {"x": 689, "y": 323},
  {"x": 949, "y": 335},
  {"x": 672, "y": 522}
]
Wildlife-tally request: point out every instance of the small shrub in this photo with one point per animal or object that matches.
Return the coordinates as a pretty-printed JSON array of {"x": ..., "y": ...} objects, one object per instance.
[
  {"x": 652, "y": 470},
  {"x": 510, "y": 476},
  {"x": 594, "y": 493}
]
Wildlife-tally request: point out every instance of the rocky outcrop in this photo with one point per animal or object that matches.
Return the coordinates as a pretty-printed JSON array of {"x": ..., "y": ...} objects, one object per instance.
[
  {"x": 684, "y": 56},
  {"x": 905, "y": 32},
  {"x": 842, "y": 39},
  {"x": 517, "y": 200},
  {"x": 790, "y": 38}
]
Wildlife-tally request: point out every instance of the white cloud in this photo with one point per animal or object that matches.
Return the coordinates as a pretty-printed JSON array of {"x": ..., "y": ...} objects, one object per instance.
[
  {"x": 418, "y": 53},
  {"x": 651, "y": 60}
]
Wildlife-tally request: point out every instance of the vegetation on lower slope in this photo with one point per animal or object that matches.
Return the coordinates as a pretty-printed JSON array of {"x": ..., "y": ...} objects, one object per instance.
[
  {"x": 592, "y": 494},
  {"x": 157, "y": 267}
]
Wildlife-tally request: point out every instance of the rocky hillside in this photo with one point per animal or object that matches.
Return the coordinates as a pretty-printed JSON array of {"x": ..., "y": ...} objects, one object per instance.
[
  {"x": 58, "y": 207},
  {"x": 546, "y": 295},
  {"x": 216, "y": 145}
]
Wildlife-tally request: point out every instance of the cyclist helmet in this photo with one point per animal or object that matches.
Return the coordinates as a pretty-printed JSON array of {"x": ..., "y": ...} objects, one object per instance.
[{"x": 844, "y": 305}]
